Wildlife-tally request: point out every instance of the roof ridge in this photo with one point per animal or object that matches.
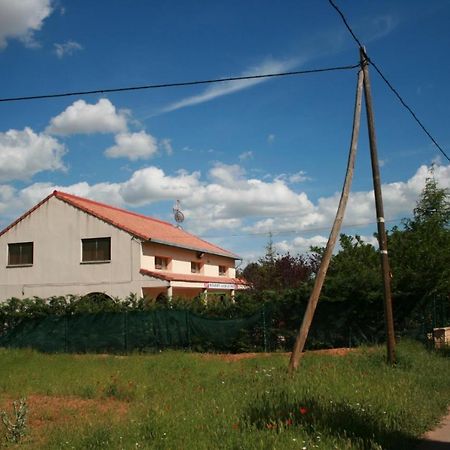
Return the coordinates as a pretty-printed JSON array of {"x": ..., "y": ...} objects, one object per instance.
[
  {"x": 116, "y": 208},
  {"x": 111, "y": 215}
]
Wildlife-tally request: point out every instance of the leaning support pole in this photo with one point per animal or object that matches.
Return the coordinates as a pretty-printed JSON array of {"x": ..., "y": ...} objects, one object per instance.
[
  {"x": 382, "y": 239},
  {"x": 320, "y": 277}
]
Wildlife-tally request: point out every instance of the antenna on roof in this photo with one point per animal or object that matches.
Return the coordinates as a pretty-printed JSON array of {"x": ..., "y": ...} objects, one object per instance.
[{"x": 177, "y": 214}]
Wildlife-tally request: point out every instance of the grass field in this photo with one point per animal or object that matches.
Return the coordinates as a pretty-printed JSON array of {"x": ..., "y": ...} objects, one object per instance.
[{"x": 176, "y": 400}]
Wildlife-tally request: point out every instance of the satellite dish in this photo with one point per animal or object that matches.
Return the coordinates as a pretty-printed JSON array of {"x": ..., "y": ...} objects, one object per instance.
[{"x": 177, "y": 214}]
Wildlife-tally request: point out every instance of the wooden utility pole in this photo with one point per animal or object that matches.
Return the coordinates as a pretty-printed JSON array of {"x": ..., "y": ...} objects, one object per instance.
[
  {"x": 320, "y": 277},
  {"x": 382, "y": 239}
]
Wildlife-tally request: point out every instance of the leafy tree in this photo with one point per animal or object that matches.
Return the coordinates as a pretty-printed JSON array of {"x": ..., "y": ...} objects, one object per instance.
[
  {"x": 354, "y": 272},
  {"x": 420, "y": 253},
  {"x": 274, "y": 272},
  {"x": 433, "y": 207}
]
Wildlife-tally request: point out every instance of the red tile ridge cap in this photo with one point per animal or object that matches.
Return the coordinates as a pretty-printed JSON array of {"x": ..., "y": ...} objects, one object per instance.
[
  {"x": 71, "y": 202},
  {"x": 68, "y": 197},
  {"x": 65, "y": 196}
]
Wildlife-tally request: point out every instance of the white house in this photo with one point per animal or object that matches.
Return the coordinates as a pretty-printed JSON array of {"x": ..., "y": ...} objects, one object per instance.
[{"x": 71, "y": 245}]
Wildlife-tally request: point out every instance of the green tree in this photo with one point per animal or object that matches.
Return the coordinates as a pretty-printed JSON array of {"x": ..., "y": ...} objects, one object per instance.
[
  {"x": 420, "y": 254},
  {"x": 354, "y": 272}
]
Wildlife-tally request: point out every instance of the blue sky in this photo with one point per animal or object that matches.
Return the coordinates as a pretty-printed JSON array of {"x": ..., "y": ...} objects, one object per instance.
[{"x": 245, "y": 158}]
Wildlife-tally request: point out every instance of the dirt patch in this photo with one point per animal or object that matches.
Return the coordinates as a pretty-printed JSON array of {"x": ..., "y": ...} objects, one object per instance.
[
  {"x": 44, "y": 409},
  {"x": 45, "y": 412},
  {"x": 333, "y": 351},
  {"x": 231, "y": 357}
]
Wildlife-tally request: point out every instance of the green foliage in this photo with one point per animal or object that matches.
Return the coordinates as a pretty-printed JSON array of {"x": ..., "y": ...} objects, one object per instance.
[
  {"x": 433, "y": 206},
  {"x": 420, "y": 257},
  {"x": 15, "y": 427},
  {"x": 420, "y": 252},
  {"x": 354, "y": 272}
]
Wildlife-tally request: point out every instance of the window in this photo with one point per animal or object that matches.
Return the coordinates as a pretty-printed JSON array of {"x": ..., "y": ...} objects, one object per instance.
[
  {"x": 161, "y": 263},
  {"x": 223, "y": 271},
  {"x": 195, "y": 267},
  {"x": 96, "y": 249},
  {"x": 20, "y": 254}
]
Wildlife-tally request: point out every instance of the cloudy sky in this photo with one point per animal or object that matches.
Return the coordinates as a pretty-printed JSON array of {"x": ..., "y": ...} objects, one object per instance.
[{"x": 244, "y": 158}]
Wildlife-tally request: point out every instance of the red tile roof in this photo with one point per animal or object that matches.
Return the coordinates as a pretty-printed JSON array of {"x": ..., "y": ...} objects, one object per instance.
[
  {"x": 138, "y": 225},
  {"x": 170, "y": 276}
]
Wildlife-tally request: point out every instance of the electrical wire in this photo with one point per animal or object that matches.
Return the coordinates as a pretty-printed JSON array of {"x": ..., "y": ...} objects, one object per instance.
[
  {"x": 388, "y": 83},
  {"x": 286, "y": 232},
  {"x": 182, "y": 83}
]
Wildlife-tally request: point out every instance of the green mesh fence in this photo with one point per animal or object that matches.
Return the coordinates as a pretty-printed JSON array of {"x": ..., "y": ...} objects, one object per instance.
[{"x": 134, "y": 331}]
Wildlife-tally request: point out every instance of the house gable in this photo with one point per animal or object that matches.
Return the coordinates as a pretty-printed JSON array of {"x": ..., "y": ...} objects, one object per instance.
[{"x": 79, "y": 246}]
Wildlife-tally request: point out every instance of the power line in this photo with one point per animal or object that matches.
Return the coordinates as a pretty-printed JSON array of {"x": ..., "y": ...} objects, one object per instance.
[
  {"x": 388, "y": 83},
  {"x": 182, "y": 83},
  {"x": 346, "y": 23},
  {"x": 286, "y": 232},
  {"x": 410, "y": 111}
]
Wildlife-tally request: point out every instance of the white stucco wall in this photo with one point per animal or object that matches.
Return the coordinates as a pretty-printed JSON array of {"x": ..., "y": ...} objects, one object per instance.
[{"x": 56, "y": 230}]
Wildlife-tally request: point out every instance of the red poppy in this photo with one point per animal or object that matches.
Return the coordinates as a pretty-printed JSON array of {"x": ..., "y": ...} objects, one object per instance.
[
  {"x": 303, "y": 410},
  {"x": 288, "y": 422}
]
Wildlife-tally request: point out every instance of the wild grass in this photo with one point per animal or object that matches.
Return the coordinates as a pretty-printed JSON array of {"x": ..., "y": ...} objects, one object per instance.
[{"x": 177, "y": 400}]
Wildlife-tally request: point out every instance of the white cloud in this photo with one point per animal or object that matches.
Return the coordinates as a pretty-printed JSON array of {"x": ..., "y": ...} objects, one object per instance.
[
  {"x": 133, "y": 146},
  {"x": 399, "y": 199},
  {"x": 6, "y": 197},
  {"x": 297, "y": 177},
  {"x": 245, "y": 156},
  {"x": 102, "y": 192},
  {"x": 152, "y": 184},
  {"x": 166, "y": 145},
  {"x": 230, "y": 197},
  {"x": 19, "y": 19},
  {"x": 67, "y": 48},
  {"x": 82, "y": 117},
  {"x": 271, "y": 138},
  {"x": 228, "y": 87},
  {"x": 228, "y": 175},
  {"x": 227, "y": 199},
  {"x": 14, "y": 202},
  {"x": 300, "y": 244},
  {"x": 25, "y": 153}
]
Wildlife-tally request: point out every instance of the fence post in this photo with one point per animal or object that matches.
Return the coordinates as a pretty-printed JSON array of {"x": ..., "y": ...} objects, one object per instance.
[
  {"x": 264, "y": 327},
  {"x": 66, "y": 327},
  {"x": 188, "y": 328},
  {"x": 125, "y": 331}
]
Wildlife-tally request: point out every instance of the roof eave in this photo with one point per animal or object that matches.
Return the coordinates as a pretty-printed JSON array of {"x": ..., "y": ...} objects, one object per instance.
[{"x": 197, "y": 249}]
